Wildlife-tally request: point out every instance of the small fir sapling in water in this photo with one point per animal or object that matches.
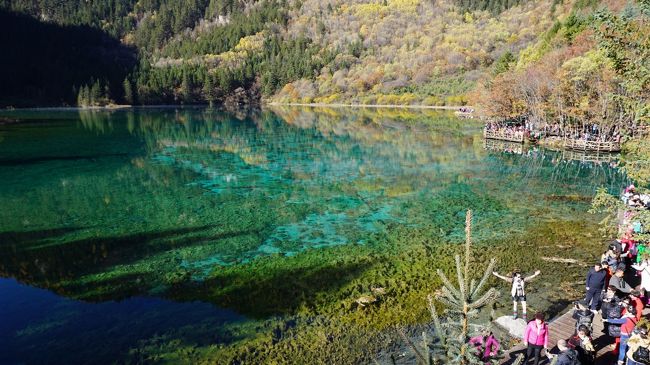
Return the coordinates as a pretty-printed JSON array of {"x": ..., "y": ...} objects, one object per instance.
[{"x": 462, "y": 302}]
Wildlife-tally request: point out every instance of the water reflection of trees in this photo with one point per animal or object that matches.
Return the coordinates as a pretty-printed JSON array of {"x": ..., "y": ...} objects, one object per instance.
[
  {"x": 373, "y": 140},
  {"x": 175, "y": 209},
  {"x": 559, "y": 169},
  {"x": 412, "y": 133}
]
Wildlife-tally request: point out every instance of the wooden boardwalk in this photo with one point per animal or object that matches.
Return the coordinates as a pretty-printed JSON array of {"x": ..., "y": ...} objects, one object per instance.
[
  {"x": 563, "y": 327},
  {"x": 517, "y": 137},
  {"x": 596, "y": 146}
]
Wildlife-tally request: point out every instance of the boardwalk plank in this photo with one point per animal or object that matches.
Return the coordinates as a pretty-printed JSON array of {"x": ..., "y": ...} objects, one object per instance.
[{"x": 563, "y": 327}]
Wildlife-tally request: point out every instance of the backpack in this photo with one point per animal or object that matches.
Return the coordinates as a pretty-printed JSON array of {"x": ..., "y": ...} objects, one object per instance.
[
  {"x": 584, "y": 320},
  {"x": 615, "y": 311},
  {"x": 583, "y": 356},
  {"x": 641, "y": 355},
  {"x": 614, "y": 330}
]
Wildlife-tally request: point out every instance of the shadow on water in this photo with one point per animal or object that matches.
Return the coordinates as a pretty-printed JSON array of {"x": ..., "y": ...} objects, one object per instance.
[
  {"x": 41, "y": 159},
  {"x": 27, "y": 237},
  {"x": 45, "y": 328},
  {"x": 259, "y": 294},
  {"x": 35, "y": 257}
]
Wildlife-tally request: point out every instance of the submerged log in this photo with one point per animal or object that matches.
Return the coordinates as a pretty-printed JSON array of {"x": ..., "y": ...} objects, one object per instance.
[{"x": 560, "y": 260}]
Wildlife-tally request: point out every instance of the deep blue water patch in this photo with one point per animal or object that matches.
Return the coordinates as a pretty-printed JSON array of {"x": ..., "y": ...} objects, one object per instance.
[{"x": 41, "y": 327}]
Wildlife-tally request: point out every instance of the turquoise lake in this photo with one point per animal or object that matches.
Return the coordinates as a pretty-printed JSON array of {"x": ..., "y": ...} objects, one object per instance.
[{"x": 115, "y": 225}]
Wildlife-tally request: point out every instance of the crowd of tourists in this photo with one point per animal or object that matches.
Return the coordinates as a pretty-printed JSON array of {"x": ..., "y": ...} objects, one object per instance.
[
  {"x": 591, "y": 132},
  {"x": 617, "y": 290},
  {"x": 511, "y": 131},
  {"x": 632, "y": 198}
]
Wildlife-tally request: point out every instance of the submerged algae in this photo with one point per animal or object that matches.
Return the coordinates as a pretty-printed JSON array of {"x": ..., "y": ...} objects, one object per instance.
[{"x": 406, "y": 269}]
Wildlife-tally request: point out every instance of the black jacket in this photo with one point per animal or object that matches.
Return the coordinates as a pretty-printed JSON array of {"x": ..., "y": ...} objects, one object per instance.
[
  {"x": 567, "y": 357},
  {"x": 585, "y": 317},
  {"x": 596, "y": 279}
]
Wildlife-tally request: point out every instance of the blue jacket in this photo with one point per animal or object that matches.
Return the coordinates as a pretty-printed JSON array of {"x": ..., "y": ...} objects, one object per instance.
[{"x": 596, "y": 279}]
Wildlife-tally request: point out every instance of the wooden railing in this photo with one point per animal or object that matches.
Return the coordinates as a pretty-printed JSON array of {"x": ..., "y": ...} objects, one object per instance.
[
  {"x": 590, "y": 156},
  {"x": 504, "y": 136},
  {"x": 582, "y": 145},
  {"x": 503, "y": 146}
]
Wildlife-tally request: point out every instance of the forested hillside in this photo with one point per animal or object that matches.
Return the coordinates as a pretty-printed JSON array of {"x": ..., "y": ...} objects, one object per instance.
[
  {"x": 591, "y": 68},
  {"x": 200, "y": 51},
  {"x": 44, "y": 63},
  {"x": 380, "y": 51}
]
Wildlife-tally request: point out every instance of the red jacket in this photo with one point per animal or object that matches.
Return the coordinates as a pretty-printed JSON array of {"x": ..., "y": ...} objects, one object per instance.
[
  {"x": 627, "y": 325},
  {"x": 536, "y": 335}
]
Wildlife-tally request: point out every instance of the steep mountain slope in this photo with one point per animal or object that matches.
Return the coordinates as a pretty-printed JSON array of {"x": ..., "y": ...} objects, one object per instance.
[
  {"x": 397, "y": 51},
  {"x": 409, "y": 51},
  {"x": 57, "y": 60}
]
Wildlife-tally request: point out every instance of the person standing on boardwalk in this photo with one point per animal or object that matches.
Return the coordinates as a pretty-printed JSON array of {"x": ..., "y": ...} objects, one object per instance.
[
  {"x": 635, "y": 300},
  {"x": 638, "y": 347},
  {"x": 583, "y": 315},
  {"x": 643, "y": 267},
  {"x": 611, "y": 303},
  {"x": 612, "y": 255},
  {"x": 595, "y": 284},
  {"x": 627, "y": 322},
  {"x": 619, "y": 282},
  {"x": 536, "y": 338},
  {"x": 582, "y": 343},
  {"x": 517, "y": 291}
]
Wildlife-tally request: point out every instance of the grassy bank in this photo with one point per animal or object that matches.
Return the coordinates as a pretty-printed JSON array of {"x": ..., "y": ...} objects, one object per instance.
[{"x": 340, "y": 105}]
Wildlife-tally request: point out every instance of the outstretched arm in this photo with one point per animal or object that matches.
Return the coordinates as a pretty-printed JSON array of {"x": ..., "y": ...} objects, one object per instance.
[
  {"x": 640, "y": 266},
  {"x": 615, "y": 320},
  {"x": 529, "y": 278},
  {"x": 501, "y": 276}
]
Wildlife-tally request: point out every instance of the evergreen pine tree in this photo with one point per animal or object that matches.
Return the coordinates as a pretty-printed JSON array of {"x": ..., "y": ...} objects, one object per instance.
[
  {"x": 95, "y": 93},
  {"x": 83, "y": 97},
  {"x": 225, "y": 81},
  {"x": 105, "y": 97},
  {"x": 462, "y": 301},
  {"x": 186, "y": 88},
  {"x": 128, "y": 91},
  {"x": 209, "y": 89},
  {"x": 503, "y": 63}
]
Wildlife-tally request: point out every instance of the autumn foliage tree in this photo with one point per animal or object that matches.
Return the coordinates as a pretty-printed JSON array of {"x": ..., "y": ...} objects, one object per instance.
[{"x": 590, "y": 69}]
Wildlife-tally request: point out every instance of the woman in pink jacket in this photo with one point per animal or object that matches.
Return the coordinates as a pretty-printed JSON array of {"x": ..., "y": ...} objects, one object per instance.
[{"x": 536, "y": 337}]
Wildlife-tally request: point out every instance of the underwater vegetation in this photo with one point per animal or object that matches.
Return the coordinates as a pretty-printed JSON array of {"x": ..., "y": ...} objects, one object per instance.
[{"x": 284, "y": 219}]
